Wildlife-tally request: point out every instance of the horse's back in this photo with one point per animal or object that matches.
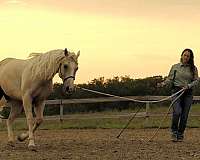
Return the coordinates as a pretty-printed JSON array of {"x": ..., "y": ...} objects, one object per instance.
[
  {"x": 11, "y": 62},
  {"x": 11, "y": 70},
  {"x": 11, "y": 66},
  {"x": 5, "y": 61}
]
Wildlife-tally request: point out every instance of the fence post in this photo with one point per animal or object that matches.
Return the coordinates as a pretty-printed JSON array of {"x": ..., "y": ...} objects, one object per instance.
[
  {"x": 147, "y": 112},
  {"x": 147, "y": 109},
  {"x": 61, "y": 111}
]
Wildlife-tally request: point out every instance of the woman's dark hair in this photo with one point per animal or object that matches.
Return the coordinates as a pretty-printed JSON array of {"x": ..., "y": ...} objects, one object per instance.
[{"x": 191, "y": 60}]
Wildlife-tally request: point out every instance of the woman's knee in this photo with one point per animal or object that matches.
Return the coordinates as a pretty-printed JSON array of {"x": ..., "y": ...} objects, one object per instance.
[{"x": 177, "y": 112}]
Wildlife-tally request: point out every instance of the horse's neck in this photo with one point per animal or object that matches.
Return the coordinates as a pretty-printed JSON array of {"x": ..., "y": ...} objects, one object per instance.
[{"x": 46, "y": 69}]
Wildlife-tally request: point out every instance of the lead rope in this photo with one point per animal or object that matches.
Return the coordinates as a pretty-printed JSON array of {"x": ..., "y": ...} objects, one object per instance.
[
  {"x": 168, "y": 111},
  {"x": 130, "y": 99},
  {"x": 139, "y": 101}
]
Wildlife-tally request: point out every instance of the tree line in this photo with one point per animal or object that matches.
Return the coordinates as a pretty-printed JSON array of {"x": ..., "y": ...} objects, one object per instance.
[{"x": 121, "y": 86}]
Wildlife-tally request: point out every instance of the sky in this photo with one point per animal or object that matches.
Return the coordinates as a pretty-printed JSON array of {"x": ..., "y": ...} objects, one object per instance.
[{"x": 138, "y": 38}]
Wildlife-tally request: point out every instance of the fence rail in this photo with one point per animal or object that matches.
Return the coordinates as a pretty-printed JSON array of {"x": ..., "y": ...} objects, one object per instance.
[
  {"x": 107, "y": 99},
  {"x": 61, "y": 102}
]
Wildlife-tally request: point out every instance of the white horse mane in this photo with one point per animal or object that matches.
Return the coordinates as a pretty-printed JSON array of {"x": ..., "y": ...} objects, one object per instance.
[
  {"x": 45, "y": 65},
  {"x": 31, "y": 55}
]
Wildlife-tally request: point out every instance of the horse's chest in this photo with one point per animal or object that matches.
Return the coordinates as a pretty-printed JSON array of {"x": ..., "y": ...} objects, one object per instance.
[{"x": 42, "y": 92}]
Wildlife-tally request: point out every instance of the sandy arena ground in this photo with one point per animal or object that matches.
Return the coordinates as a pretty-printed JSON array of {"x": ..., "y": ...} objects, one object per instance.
[{"x": 100, "y": 144}]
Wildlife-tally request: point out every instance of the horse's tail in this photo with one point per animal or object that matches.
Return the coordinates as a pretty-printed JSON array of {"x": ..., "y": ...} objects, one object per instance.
[{"x": 3, "y": 103}]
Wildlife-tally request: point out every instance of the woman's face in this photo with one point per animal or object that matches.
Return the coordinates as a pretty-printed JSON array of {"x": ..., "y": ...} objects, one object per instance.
[{"x": 185, "y": 57}]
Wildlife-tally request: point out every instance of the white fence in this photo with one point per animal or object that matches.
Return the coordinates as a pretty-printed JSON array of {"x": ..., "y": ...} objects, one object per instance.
[{"x": 61, "y": 102}]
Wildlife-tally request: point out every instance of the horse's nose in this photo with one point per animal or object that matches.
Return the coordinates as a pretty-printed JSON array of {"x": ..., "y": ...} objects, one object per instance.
[
  {"x": 68, "y": 89},
  {"x": 71, "y": 89}
]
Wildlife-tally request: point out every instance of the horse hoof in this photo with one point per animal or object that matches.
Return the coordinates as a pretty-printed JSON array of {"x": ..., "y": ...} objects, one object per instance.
[
  {"x": 11, "y": 143},
  {"x": 22, "y": 137},
  {"x": 19, "y": 138},
  {"x": 32, "y": 148}
]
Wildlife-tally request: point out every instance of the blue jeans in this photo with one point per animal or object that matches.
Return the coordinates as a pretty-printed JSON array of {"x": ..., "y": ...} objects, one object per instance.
[{"x": 181, "y": 110}]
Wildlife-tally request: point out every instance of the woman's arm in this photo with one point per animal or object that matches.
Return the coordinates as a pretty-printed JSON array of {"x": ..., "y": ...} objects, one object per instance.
[
  {"x": 196, "y": 79},
  {"x": 170, "y": 77}
]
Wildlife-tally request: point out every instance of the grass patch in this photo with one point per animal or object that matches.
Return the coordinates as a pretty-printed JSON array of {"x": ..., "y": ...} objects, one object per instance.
[{"x": 99, "y": 120}]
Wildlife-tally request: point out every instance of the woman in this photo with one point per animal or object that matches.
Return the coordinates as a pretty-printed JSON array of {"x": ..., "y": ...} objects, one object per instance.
[{"x": 182, "y": 75}]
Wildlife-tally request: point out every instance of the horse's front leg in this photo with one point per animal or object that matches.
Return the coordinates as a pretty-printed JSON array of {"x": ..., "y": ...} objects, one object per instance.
[
  {"x": 39, "y": 108},
  {"x": 27, "y": 103}
]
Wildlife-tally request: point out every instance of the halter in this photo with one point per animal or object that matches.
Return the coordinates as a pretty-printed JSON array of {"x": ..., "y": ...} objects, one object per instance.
[{"x": 66, "y": 78}]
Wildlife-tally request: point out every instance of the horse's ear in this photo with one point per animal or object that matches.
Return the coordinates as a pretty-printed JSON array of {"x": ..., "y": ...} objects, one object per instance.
[
  {"x": 66, "y": 52},
  {"x": 78, "y": 54}
]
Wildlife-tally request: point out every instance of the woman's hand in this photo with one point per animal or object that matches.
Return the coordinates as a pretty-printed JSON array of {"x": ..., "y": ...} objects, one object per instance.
[{"x": 185, "y": 87}]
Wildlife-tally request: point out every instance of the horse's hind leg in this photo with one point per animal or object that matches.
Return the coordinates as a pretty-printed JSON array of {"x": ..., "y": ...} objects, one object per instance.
[
  {"x": 16, "y": 109},
  {"x": 1, "y": 93}
]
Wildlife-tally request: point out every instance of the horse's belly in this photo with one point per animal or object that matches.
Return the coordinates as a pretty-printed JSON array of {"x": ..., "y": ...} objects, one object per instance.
[{"x": 44, "y": 95}]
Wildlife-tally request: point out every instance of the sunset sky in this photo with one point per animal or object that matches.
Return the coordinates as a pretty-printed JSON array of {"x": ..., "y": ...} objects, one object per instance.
[{"x": 138, "y": 38}]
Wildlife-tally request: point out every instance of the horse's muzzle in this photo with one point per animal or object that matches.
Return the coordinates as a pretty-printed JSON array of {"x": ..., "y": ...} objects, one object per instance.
[{"x": 68, "y": 90}]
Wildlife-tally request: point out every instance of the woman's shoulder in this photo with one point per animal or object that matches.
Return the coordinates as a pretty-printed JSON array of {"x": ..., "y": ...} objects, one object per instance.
[{"x": 176, "y": 65}]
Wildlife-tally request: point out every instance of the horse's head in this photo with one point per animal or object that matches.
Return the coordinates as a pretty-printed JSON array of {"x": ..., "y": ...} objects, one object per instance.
[{"x": 67, "y": 70}]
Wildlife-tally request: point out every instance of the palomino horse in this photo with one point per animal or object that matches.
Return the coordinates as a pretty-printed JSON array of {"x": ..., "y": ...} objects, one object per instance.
[{"x": 27, "y": 83}]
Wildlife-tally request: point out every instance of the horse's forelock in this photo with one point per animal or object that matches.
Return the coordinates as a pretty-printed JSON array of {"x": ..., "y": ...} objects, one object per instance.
[{"x": 73, "y": 57}]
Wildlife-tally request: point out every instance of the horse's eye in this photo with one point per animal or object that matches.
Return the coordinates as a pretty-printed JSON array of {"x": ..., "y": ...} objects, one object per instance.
[
  {"x": 65, "y": 66},
  {"x": 76, "y": 69}
]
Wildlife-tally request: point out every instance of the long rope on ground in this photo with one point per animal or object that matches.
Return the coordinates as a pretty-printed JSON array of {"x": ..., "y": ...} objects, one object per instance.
[
  {"x": 127, "y": 124},
  {"x": 130, "y": 99},
  {"x": 139, "y": 101},
  {"x": 161, "y": 122},
  {"x": 182, "y": 91}
]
